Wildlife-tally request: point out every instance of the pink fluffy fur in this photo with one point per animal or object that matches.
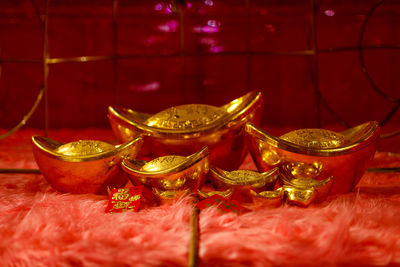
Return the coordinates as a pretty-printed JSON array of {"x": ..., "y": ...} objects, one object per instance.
[{"x": 42, "y": 227}]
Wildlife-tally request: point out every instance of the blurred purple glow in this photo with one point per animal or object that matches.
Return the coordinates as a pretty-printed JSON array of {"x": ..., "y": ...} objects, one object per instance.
[
  {"x": 329, "y": 13},
  {"x": 209, "y": 2},
  {"x": 147, "y": 87},
  {"x": 205, "y": 29},
  {"x": 169, "y": 26},
  {"x": 213, "y": 23},
  {"x": 216, "y": 49},
  {"x": 162, "y": 7}
]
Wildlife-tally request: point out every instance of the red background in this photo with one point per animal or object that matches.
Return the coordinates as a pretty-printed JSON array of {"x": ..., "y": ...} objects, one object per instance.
[{"x": 228, "y": 48}]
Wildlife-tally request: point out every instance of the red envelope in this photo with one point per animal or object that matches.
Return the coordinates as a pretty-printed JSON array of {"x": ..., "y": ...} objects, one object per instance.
[{"x": 123, "y": 199}]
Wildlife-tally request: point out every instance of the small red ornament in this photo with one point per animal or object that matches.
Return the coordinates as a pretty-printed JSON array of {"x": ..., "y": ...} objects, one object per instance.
[
  {"x": 123, "y": 199},
  {"x": 223, "y": 204}
]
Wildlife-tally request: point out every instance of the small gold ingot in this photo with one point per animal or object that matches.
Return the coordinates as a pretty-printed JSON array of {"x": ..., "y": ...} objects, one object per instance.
[
  {"x": 169, "y": 177},
  {"x": 298, "y": 196},
  {"x": 317, "y": 153},
  {"x": 321, "y": 188},
  {"x": 243, "y": 179},
  {"x": 271, "y": 199},
  {"x": 185, "y": 129},
  {"x": 84, "y": 166}
]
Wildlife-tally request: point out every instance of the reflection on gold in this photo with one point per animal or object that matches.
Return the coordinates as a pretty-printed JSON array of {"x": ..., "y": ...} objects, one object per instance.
[
  {"x": 269, "y": 156},
  {"x": 299, "y": 197},
  {"x": 271, "y": 199},
  {"x": 302, "y": 170},
  {"x": 84, "y": 148},
  {"x": 84, "y": 166},
  {"x": 315, "y": 138},
  {"x": 316, "y": 153},
  {"x": 185, "y": 129},
  {"x": 163, "y": 163},
  {"x": 168, "y": 176},
  {"x": 243, "y": 178},
  {"x": 185, "y": 117}
]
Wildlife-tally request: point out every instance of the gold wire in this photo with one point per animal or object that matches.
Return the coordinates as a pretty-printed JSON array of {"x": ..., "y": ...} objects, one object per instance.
[{"x": 26, "y": 117}]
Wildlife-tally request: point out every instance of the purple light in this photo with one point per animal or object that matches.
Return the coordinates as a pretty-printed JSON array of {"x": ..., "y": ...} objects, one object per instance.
[
  {"x": 209, "y": 2},
  {"x": 159, "y": 6},
  {"x": 205, "y": 29},
  {"x": 147, "y": 87},
  {"x": 169, "y": 26},
  {"x": 329, "y": 13},
  {"x": 189, "y": 5},
  {"x": 213, "y": 23},
  {"x": 216, "y": 49}
]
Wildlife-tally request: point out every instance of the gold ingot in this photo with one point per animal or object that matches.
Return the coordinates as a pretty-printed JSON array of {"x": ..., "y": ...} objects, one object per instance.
[
  {"x": 320, "y": 188},
  {"x": 298, "y": 196},
  {"x": 270, "y": 199},
  {"x": 84, "y": 166},
  {"x": 169, "y": 177},
  {"x": 317, "y": 153},
  {"x": 185, "y": 129},
  {"x": 244, "y": 179}
]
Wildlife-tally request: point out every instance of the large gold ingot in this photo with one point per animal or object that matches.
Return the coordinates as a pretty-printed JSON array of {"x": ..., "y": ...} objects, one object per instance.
[
  {"x": 183, "y": 130},
  {"x": 316, "y": 153},
  {"x": 84, "y": 166},
  {"x": 169, "y": 177}
]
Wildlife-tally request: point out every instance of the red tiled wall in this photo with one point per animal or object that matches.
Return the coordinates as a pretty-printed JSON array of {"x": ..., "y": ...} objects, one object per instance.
[{"x": 229, "y": 47}]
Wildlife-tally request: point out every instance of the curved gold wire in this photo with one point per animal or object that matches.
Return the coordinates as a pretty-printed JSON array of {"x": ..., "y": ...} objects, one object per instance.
[{"x": 26, "y": 117}]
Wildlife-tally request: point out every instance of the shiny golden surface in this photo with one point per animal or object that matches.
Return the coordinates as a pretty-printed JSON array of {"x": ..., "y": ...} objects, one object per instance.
[
  {"x": 243, "y": 181},
  {"x": 315, "y": 138},
  {"x": 84, "y": 148},
  {"x": 271, "y": 199},
  {"x": 302, "y": 170},
  {"x": 84, "y": 166},
  {"x": 316, "y": 153},
  {"x": 299, "y": 197},
  {"x": 185, "y": 129},
  {"x": 320, "y": 188},
  {"x": 169, "y": 177},
  {"x": 163, "y": 163},
  {"x": 186, "y": 117},
  {"x": 254, "y": 179}
]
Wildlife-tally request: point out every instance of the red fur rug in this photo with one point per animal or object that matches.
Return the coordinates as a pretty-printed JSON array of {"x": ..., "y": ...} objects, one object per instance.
[{"x": 41, "y": 227}]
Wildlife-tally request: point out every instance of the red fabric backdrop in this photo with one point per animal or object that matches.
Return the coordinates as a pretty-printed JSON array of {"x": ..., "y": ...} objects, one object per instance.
[{"x": 228, "y": 48}]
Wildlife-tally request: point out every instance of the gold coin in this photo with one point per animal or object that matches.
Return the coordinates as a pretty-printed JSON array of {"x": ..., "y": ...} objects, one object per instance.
[
  {"x": 186, "y": 117},
  {"x": 315, "y": 138},
  {"x": 84, "y": 148},
  {"x": 162, "y": 163}
]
